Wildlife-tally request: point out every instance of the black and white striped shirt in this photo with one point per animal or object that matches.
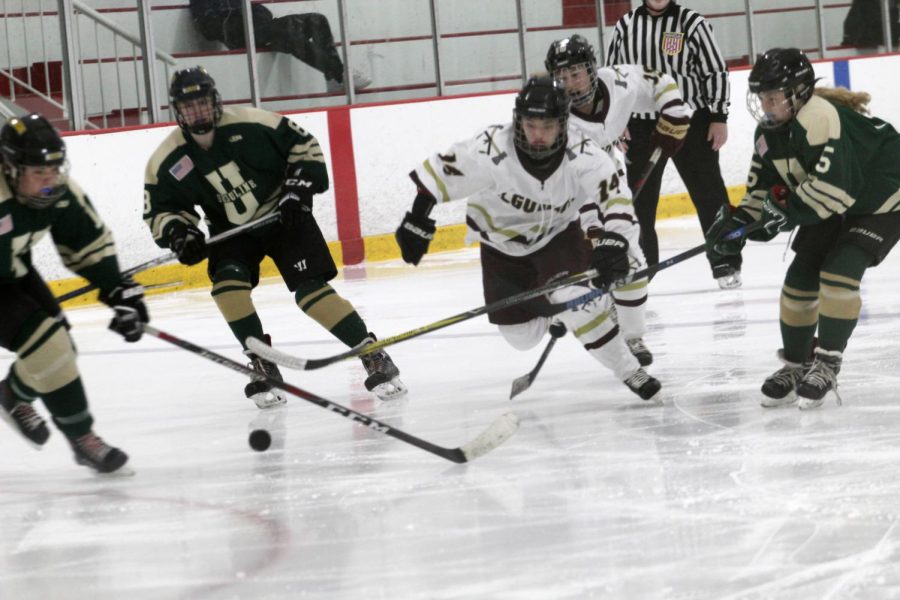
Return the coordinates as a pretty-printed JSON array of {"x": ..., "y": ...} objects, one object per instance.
[{"x": 678, "y": 42}]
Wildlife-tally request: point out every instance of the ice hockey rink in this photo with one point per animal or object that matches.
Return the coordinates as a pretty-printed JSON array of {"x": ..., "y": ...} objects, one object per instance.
[{"x": 598, "y": 495}]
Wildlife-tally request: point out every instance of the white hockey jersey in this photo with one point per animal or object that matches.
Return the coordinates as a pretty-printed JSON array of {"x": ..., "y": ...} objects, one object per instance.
[
  {"x": 513, "y": 211},
  {"x": 628, "y": 89}
]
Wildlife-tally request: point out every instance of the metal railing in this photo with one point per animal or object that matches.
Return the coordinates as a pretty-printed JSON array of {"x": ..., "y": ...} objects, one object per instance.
[{"x": 107, "y": 82}]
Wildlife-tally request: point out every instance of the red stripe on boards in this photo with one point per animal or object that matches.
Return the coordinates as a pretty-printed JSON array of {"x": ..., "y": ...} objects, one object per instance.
[{"x": 343, "y": 175}]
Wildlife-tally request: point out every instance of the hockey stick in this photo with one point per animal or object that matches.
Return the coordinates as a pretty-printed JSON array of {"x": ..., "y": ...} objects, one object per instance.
[
  {"x": 740, "y": 232},
  {"x": 302, "y": 364},
  {"x": 169, "y": 256},
  {"x": 500, "y": 430},
  {"x": 648, "y": 169},
  {"x": 522, "y": 383}
]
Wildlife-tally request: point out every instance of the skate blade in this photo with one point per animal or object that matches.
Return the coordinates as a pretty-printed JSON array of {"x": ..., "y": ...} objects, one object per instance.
[
  {"x": 788, "y": 400},
  {"x": 390, "y": 390},
  {"x": 269, "y": 399}
]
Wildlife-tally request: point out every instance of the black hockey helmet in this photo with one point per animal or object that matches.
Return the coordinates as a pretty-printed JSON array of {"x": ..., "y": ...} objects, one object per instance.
[
  {"x": 780, "y": 69},
  {"x": 542, "y": 98},
  {"x": 571, "y": 52},
  {"x": 190, "y": 84},
  {"x": 31, "y": 141}
]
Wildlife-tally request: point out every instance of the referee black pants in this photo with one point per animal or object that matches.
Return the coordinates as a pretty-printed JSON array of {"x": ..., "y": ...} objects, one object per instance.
[{"x": 698, "y": 165}]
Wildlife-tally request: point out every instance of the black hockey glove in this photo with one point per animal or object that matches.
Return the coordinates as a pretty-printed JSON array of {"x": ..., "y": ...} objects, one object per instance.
[
  {"x": 295, "y": 205},
  {"x": 413, "y": 236},
  {"x": 727, "y": 220},
  {"x": 188, "y": 243},
  {"x": 775, "y": 211},
  {"x": 610, "y": 258},
  {"x": 127, "y": 300}
]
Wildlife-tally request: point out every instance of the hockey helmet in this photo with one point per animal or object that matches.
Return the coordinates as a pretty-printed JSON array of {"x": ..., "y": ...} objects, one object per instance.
[
  {"x": 786, "y": 70},
  {"x": 31, "y": 141},
  {"x": 541, "y": 98},
  {"x": 568, "y": 53},
  {"x": 190, "y": 84}
]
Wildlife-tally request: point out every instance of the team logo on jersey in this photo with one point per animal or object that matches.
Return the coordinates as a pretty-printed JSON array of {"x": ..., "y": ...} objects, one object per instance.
[
  {"x": 235, "y": 138},
  {"x": 180, "y": 169},
  {"x": 6, "y": 224},
  {"x": 672, "y": 43}
]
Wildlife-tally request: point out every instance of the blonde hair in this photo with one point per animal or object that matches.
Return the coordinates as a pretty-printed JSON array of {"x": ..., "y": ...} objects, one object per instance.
[{"x": 841, "y": 95}]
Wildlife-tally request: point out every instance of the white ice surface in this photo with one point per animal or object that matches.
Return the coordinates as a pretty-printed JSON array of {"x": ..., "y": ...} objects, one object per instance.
[{"x": 598, "y": 495}]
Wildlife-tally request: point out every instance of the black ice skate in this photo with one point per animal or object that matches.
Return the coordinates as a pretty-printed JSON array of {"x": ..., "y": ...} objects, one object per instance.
[
  {"x": 820, "y": 379},
  {"x": 643, "y": 385},
  {"x": 640, "y": 351},
  {"x": 263, "y": 394},
  {"x": 780, "y": 387},
  {"x": 91, "y": 451},
  {"x": 22, "y": 417},
  {"x": 384, "y": 376}
]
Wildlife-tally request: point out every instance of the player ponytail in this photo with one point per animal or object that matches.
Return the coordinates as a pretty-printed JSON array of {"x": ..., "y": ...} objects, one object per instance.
[{"x": 858, "y": 101}]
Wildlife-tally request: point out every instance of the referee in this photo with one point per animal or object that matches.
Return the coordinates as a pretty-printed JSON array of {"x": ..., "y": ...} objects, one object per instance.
[{"x": 664, "y": 36}]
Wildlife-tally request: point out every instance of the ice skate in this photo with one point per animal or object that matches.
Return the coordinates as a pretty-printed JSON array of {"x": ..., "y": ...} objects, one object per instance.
[
  {"x": 820, "y": 379},
  {"x": 91, "y": 451},
  {"x": 779, "y": 388},
  {"x": 384, "y": 376},
  {"x": 22, "y": 417},
  {"x": 263, "y": 394},
  {"x": 640, "y": 351},
  {"x": 727, "y": 276},
  {"x": 644, "y": 385}
]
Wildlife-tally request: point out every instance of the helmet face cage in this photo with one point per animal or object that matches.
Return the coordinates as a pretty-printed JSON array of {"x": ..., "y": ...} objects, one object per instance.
[
  {"x": 566, "y": 58},
  {"x": 188, "y": 88},
  {"x": 784, "y": 70},
  {"x": 541, "y": 98},
  {"x": 31, "y": 141}
]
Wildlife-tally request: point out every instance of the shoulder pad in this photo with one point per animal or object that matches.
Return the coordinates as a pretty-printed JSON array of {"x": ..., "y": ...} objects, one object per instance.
[{"x": 820, "y": 120}]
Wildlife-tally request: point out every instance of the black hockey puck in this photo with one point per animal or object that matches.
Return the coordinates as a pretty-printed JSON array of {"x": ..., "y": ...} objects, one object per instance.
[{"x": 260, "y": 440}]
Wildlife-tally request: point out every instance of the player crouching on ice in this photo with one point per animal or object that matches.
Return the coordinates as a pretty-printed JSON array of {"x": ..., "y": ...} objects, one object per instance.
[
  {"x": 542, "y": 211},
  {"x": 824, "y": 165}
]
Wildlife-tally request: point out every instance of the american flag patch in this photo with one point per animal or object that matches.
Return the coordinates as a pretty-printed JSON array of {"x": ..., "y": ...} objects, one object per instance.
[
  {"x": 6, "y": 224},
  {"x": 180, "y": 169},
  {"x": 761, "y": 146},
  {"x": 672, "y": 43}
]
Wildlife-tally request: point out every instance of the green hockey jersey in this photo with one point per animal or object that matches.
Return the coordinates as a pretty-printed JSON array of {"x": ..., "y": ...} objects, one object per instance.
[
  {"x": 832, "y": 158},
  {"x": 84, "y": 243},
  {"x": 237, "y": 180}
]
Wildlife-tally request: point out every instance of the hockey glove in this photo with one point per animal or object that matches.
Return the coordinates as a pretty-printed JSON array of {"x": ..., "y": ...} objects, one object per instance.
[
  {"x": 413, "y": 236},
  {"x": 610, "y": 258},
  {"x": 188, "y": 243},
  {"x": 127, "y": 300},
  {"x": 295, "y": 205},
  {"x": 727, "y": 220},
  {"x": 775, "y": 214},
  {"x": 669, "y": 134}
]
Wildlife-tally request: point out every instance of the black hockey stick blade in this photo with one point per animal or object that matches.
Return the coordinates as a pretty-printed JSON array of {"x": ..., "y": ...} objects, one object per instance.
[
  {"x": 170, "y": 256},
  {"x": 500, "y": 430},
  {"x": 520, "y": 384}
]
